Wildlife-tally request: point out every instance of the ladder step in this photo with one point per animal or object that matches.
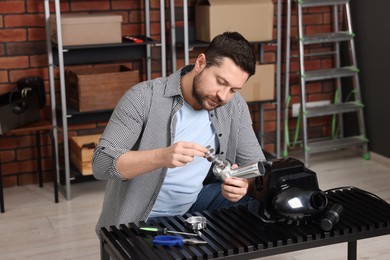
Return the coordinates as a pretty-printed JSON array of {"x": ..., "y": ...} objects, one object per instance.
[
  {"x": 327, "y": 37},
  {"x": 336, "y": 144},
  {"x": 330, "y": 73},
  {"x": 333, "y": 109},
  {"x": 311, "y": 3}
]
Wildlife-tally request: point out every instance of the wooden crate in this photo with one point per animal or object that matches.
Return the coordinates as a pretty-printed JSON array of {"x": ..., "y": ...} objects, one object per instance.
[
  {"x": 98, "y": 88},
  {"x": 81, "y": 152}
]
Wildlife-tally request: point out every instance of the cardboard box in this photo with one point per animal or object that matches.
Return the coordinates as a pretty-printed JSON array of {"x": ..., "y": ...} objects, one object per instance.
[
  {"x": 261, "y": 86},
  {"x": 252, "y": 18},
  {"x": 81, "y": 152},
  {"x": 17, "y": 113},
  {"x": 87, "y": 29},
  {"x": 98, "y": 88}
]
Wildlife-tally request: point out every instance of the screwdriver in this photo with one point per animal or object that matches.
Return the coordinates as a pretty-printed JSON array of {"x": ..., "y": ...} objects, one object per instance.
[{"x": 165, "y": 231}]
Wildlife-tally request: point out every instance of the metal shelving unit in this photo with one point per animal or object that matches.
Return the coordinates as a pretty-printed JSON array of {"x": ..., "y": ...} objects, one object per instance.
[{"x": 60, "y": 56}]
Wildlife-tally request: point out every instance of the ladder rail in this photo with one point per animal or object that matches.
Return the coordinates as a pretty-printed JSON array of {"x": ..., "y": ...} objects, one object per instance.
[
  {"x": 287, "y": 79},
  {"x": 356, "y": 77},
  {"x": 338, "y": 94},
  {"x": 303, "y": 84}
]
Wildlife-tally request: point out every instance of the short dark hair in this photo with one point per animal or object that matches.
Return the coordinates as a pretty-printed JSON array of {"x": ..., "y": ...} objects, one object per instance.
[{"x": 234, "y": 46}]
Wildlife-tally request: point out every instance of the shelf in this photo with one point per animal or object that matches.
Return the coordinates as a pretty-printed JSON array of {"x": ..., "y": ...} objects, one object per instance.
[
  {"x": 76, "y": 117},
  {"x": 77, "y": 55}
]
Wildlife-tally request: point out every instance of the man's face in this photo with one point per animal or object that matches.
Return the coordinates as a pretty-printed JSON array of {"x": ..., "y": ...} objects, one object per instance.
[{"x": 215, "y": 86}]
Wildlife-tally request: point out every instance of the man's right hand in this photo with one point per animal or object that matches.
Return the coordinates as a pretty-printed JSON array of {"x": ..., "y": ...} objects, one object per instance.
[{"x": 181, "y": 153}]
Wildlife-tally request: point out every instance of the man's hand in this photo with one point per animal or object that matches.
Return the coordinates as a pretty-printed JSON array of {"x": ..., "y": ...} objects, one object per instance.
[
  {"x": 234, "y": 189},
  {"x": 181, "y": 153}
]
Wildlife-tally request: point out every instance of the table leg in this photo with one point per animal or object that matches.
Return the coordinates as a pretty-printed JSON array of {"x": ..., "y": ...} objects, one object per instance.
[
  {"x": 352, "y": 250},
  {"x": 39, "y": 158},
  {"x": 2, "y": 210},
  {"x": 54, "y": 162},
  {"x": 103, "y": 253},
  {"x": 1, "y": 192}
]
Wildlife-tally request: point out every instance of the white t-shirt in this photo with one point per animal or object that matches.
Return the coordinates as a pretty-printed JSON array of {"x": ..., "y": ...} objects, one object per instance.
[{"x": 182, "y": 184}]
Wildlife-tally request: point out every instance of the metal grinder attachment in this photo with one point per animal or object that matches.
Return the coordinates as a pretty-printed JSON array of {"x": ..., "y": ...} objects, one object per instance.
[{"x": 223, "y": 168}]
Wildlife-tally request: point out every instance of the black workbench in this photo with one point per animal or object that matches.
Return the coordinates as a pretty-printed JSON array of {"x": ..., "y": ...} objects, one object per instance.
[{"x": 235, "y": 233}]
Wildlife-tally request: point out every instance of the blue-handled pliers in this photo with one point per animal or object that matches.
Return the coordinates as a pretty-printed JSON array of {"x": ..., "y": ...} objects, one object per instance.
[{"x": 175, "y": 241}]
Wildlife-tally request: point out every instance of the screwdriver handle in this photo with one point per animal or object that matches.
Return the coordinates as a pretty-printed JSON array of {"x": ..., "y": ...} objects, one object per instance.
[{"x": 155, "y": 229}]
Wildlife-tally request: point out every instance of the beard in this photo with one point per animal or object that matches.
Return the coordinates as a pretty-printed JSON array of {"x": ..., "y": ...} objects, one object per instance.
[{"x": 200, "y": 98}]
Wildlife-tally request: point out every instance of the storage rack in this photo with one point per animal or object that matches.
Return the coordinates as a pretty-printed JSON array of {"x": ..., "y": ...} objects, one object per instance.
[
  {"x": 58, "y": 56},
  {"x": 187, "y": 45}
]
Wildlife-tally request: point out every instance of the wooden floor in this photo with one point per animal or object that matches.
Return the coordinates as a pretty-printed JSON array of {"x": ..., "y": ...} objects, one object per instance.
[{"x": 34, "y": 227}]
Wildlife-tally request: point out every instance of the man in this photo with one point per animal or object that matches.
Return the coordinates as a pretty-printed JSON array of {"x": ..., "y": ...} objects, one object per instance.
[{"x": 152, "y": 150}]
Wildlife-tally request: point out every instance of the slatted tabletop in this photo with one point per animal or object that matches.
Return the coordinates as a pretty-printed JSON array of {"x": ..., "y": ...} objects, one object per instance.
[{"x": 235, "y": 233}]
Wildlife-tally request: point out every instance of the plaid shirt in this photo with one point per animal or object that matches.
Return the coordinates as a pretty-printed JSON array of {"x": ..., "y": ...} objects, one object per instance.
[{"x": 144, "y": 119}]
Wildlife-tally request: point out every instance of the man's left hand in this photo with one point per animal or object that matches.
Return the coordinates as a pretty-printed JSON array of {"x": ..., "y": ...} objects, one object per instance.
[{"x": 234, "y": 189}]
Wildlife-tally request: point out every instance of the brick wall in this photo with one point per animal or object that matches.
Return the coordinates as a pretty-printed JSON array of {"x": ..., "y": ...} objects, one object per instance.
[{"x": 23, "y": 53}]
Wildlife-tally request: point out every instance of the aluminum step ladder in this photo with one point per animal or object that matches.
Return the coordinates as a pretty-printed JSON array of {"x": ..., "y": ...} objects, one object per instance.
[{"x": 341, "y": 34}]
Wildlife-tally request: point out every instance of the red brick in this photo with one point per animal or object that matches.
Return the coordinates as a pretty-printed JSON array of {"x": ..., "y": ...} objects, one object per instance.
[
  {"x": 17, "y": 74},
  {"x": 2, "y": 49},
  {"x": 24, "y": 20},
  {"x": 3, "y": 76},
  {"x": 136, "y": 16},
  {"x": 35, "y": 6},
  {"x": 16, "y": 62},
  {"x": 155, "y": 31},
  {"x": 155, "y": 4},
  {"x": 23, "y": 154},
  {"x": 295, "y": 89},
  {"x": 327, "y": 63},
  {"x": 7, "y": 155},
  {"x": 318, "y": 29},
  {"x": 320, "y": 121},
  {"x": 269, "y": 126},
  {"x": 28, "y": 178},
  {"x": 320, "y": 9},
  {"x": 319, "y": 96},
  {"x": 13, "y": 35},
  {"x": 313, "y": 19},
  {"x": 6, "y": 87},
  {"x": 18, "y": 167},
  {"x": 125, "y": 4},
  {"x": 312, "y": 65},
  {"x": 38, "y": 60},
  {"x": 26, "y": 48},
  {"x": 36, "y": 34},
  {"x": 313, "y": 87},
  {"x": 89, "y": 5},
  {"x": 10, "y": 7},
  {"x": 9, "y": 181},
  {"x": 131, "y": 29},
  {"x": 269, "y": 115}
]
